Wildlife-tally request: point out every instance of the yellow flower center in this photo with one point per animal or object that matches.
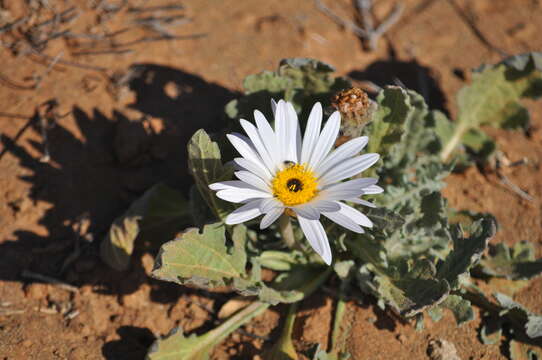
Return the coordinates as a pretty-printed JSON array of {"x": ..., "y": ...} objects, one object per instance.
[{"x": 295, "y": 185}]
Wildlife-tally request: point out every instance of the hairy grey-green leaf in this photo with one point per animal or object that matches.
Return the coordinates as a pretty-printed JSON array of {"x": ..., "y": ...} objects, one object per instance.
[
  {"x": 387, "y": 123},
  {"x": 202, "y": 258},
  {"x": 493, "y": 97},
  {"x": 435, "y": 313},
  {"x": 460, "y": 307},
  {"x": 300, "y": 81},
  {"x": 205, "y": 165},
  {"x": 533, "y": 322},
  {"x": 514, "y": 263},
  {"x": 320, "y": 354},
  {"x": 268, "y": 293},
  {"x": 281, "y": 260},
  {"x": 157, "y": 215},
  {"x": 466, "y": 252},
  {"x": 176, "y": 346},
  {"x": 413, "y": 291},
  {"x": 343, "y": 268}
]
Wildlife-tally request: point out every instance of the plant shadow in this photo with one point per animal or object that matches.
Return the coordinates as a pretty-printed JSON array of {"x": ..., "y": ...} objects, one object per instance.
[
  {"x": 98, "y": 165},
  {"x": 134, "y": 343},
  {"x": 407, "y": 74}
]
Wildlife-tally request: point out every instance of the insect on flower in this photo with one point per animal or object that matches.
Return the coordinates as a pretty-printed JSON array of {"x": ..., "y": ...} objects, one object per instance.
[{"x": 284, "y": 172}]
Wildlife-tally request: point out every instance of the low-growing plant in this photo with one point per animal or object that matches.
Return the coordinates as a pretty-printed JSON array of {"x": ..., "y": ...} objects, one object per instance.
[{"x": 399, "y": 246}]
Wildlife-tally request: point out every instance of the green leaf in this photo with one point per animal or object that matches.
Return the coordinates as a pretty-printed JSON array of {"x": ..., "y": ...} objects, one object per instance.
[
  {"x": 387, "y": 124},
  {"x": 157, "y": 216},
  {"x": 411, "y": 284},
  {"x": 202, "y": 258},
  {"x": 414, "y": 291},
  {"x": 281, "y": 260},
  {"x": 515, "y": 263},
  {"x": 176, "y": 346},
  {"x": 284, "y": 348},
  {"x": 533, "y": 322},
  {"x": 300, "y": 81},
  {"x": 320, "y": 354},
  {"x": 467, "y": 251},
  {"x": 435, "y": 313},
  {"x": 460, "y": 307},
  {"x": 493, "y": 97},
  {"x": 205, "y": 165}
]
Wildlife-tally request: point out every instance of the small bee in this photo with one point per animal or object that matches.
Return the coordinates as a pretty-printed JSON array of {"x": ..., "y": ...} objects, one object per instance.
[{"x": 288, "y": 163}]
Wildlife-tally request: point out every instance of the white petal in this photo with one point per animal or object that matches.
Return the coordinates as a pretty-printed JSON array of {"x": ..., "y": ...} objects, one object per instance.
[
  {"x": 348, "y": 168},
  {"x": 270, "y": 217},
  {"x": 293, "y": 133},
  {"x": 273, "y": 106},
  {"x": 253, "y": 168},
  {"x": 236, "y": 195},
  {"x": 344, "y": 221},
  {"x": 307, "y": 211},
  {"x": 268, "y": 137},
  {"x": 355, "y": 215},
  {"x": 253, "y": 180},
  {"x": 311, "y": 133},
  {"x": 343, "y": 152},
  {"x": 326, "y": 140},
  {"x": 298, "y": 139},
  {"x": 347, "y": 190},
  {"x": 230, "y": 184},
  {"x": 281, "y": 130},
  {"x": 325, "y": 205},
  {"x": 373, "y": 189},
  {"x": 245, "y": 149},
  {"x": 244, "y": 213},
  {"x": 362, "y": 202},
  {"x": 269, "y": 204},
  {"x": 254, "y": 136},
  {"x": 360, "y": 183},
  {"x": 317, "y": 238}
]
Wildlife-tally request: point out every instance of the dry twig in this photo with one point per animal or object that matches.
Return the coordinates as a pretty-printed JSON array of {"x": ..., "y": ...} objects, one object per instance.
[{"x": 368, "y": 33}]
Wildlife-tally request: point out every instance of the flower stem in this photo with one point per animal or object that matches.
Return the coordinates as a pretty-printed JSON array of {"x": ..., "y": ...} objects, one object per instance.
[
  {"x": 340, "y": 311},
  {"x": 287, "y": 231}
]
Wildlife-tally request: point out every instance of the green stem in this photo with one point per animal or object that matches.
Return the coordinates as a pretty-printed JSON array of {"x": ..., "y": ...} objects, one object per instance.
[
  {"x": 340, "y": 311},
  {"x": 285, "y": 345},
  {"x": 215, "y": 336},
  {"x": 287, "y": 231},
  {"x": 452, "y": 143}
]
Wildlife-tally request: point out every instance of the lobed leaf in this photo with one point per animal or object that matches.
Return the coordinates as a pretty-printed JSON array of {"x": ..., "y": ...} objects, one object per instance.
[
  {"x": 514, "y": 263},
  {"x": 300, "y": 81},
  {"x": 493, "y": 97},
  {"x": 460, "y": 307},
  {"x": 467, "y": 251},
  {"x": 202, "y": 258},
  {"x": 533, "y": 322},
  {"x": 205, "y": 165},
  {"x": 175, "y": 346}
]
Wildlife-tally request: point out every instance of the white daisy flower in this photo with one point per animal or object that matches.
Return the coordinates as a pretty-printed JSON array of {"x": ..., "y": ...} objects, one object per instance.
[{"x": 282, "y": 172}]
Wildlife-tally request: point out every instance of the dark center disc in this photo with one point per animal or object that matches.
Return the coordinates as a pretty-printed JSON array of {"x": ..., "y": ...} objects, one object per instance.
[{"x": 294, "y": 185}]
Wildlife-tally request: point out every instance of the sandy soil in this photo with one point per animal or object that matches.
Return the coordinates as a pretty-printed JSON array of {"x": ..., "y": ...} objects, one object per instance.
[{"x": 122, "y": 123}]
